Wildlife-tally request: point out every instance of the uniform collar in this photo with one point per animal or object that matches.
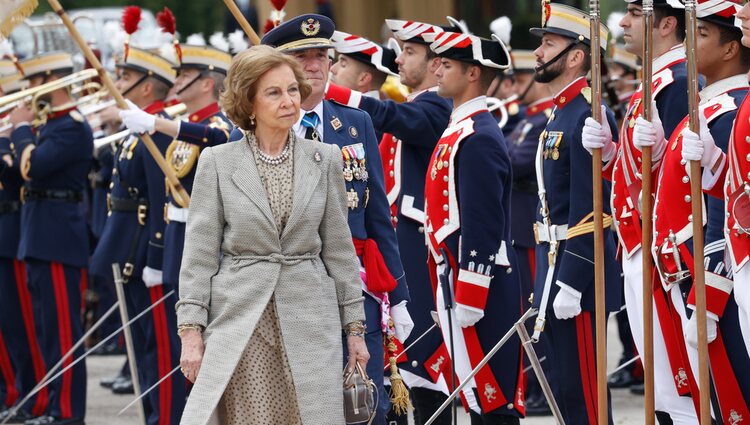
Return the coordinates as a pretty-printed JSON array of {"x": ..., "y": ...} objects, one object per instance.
[
  {"x": 466, "y": 110},
  {"x": 318, "y": 109},
  {"x": 539, "y": 106},
  {"x": 60, "y": 113},
  {"x": 670, "y": 57},
  {"x": 413, "y": 95},
  {"x": 155, "y": 107},
  {"x": 570, "y": 92},
  {"x": 204, "y": 113},
  {"x": 722, "y": 86},
  {"x": 372, "y": 93}
]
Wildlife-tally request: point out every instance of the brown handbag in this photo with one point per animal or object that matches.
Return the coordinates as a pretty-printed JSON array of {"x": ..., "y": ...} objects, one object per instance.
[{"x": 360, "y": 401}]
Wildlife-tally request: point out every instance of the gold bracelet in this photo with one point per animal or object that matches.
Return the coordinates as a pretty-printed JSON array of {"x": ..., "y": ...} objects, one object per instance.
[
  {"x": 356, "y": 328},
  {"x": 183, "y": 328}
]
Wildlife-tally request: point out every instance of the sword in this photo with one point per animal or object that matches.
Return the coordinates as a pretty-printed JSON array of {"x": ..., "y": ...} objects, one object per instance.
[
  {"x": 119, "y": 282},
  {"x": 448, "y": 302},
  {"x": 434, "y": 325},
  {"x": 59, "y": 363},
  {"x": 46, "y": 382},
  {"x": 151, "y": 388}
]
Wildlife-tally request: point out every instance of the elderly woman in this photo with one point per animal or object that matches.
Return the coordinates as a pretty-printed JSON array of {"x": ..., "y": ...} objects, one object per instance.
[{"x": 269, "y": 274}]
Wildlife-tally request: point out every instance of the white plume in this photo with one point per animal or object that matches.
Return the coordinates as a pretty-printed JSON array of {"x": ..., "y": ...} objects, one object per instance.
[
  {"x": 502, "y": 27},
  {"x": 217, "y": 40},
  {"x": 461, "y": 25},
  {"x": 167, "y": 51},
  {"x": 613, "y": 23},
  {"x": 237, "y": 41},
  {"x": 196, "y": 40},
  {"x": 115, "y": 35}
]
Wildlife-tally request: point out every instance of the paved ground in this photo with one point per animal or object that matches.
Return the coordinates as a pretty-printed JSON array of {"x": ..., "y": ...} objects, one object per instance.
[{"x": 103, "y": 405}]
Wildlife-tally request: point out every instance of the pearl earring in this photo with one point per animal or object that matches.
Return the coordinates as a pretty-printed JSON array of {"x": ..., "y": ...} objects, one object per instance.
[{"x": 252, "y": 119}]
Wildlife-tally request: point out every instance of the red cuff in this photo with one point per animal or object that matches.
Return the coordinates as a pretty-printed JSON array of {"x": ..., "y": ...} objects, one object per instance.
[
  {"x": 343, "y": 95},
  {"x": 472, "y": 289},
  {"x": 718, "y": 289}
]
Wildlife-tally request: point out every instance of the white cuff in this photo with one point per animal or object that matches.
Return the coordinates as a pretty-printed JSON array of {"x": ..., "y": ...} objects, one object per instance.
[
  {"x": 151, "y": 277},
  {"x": 569, "y": 289}
]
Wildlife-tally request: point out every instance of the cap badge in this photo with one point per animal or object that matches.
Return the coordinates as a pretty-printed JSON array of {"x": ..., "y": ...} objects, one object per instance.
[
  {"x": 310, "y": 27},
  {"x": 546, "y": 12}
]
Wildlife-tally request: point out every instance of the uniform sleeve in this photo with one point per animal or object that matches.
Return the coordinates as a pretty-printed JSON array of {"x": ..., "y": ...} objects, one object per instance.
[
  {"x": 483, "y": 176},
  {"x": 420, "y": 122},
  {"x": 66, "y": 144},
  {"x": 203, "y": 237},
  {"x": 378, "y": 216},
  {"x": 672, "y": 104},
  {"x": 577, "y": 260},
  {"x": 203, "y": 134},
  {"x": 337, "y": 249},
  {"x": 523, "y": 156},
  {"x": 156, "y": 199}
]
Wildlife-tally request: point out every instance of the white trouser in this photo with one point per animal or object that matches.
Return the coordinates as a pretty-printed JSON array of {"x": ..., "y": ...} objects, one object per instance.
[
  {"x": 742, "y": 297},
  {"x": 463, "y": 365},
  {"x": 666, "y": 399}
]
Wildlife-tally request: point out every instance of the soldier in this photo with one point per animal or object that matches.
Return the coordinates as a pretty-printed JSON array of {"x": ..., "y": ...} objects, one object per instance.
[
  {"x": 723, "y": 61},
  {"x": 623, "y": 168},
  {"x": 133, "y": 238},
  {"x": 307, "y": 38},
  {"x": 564, "y": 291},
  {"x": 54, "y": 163},
  {"x": 522, "y": 145},
  {"x": 24, "y": 366},
  {"x": 412, "y": 130},
  {"x": 467, "y": 229}
]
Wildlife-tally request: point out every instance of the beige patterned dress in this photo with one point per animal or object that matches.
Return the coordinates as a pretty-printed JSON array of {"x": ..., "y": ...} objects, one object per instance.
[{"x": 261, "y": 390}]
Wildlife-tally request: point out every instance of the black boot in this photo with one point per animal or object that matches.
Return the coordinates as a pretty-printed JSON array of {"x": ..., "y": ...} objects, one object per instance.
[
  {"x": 426, "y": 403},
  {"x": 663, "y": 418}
]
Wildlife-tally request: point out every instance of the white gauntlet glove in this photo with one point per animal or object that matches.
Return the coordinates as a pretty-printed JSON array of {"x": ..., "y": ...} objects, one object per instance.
[
  {"x": 402, "y": 322},
  {"x": 567, "y": 303},
  {"x": 136, "y": 120},
  {"x": 597, "y": 135}
]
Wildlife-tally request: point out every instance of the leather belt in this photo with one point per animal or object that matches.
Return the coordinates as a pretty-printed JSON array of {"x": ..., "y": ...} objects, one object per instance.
[
  {"x": 7, "y": 207},
  {"x": 71, "y": 196},
  {"x": 129, "y": 205},
  {"x": 177, "y": 214}
]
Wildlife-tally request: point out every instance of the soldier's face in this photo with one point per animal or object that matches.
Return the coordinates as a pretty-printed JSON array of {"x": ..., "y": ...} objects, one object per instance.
[
  {"x": 632, "y": 25},
  {"x": 125, "y": 81},
  {"x": 185, "y": 77},
  {"x": 316, "y": 64},
  {"x": 552, "y": 45},
  {"x": 346, "y": 72},
  {"x": 277, "y": 99},
  {"x": 744, "y": 16},
  {"x": 710, "y": 51},
  {"x": 412, "y": 64},
  {"x": 451, "y": 77}
]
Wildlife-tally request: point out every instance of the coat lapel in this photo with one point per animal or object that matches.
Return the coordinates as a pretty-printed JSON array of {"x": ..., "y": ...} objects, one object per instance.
[
  {"x": 247, "y": 179},
  {"x": 306, "y": 177}
]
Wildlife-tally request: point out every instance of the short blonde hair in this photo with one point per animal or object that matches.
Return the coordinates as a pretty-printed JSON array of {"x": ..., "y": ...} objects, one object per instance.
[{"x": 241, "y": 83}]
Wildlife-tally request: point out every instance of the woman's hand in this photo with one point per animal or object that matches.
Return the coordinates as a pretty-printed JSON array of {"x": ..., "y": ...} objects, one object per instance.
[
  {"x": 192, "y": 354},
  {"x": 357, "y": 351}
]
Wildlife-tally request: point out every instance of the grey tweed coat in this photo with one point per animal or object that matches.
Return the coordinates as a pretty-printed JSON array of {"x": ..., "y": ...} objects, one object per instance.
[{"x": 234, "y": 261}]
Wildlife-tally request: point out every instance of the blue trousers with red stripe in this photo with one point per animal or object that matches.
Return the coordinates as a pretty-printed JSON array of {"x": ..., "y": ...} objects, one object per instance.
[
  {"x": 157, "y": 351},
  {"x": 56, "y": 295},
  {"x": 17, "y": 322},
  {"x": 571, "y": 358},
  {"x": 8, "y": 391}
]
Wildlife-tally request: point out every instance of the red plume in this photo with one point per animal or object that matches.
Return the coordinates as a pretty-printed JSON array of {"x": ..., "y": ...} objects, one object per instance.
[
  {"x": 131, "y": 16},
  {"x": 269, "y": 26},
  {"x": 278, "y": 4},
  {"x": 166, "y": 21}
]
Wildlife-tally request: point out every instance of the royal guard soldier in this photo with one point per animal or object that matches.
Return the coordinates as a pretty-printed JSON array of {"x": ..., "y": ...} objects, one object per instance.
[
  {"x": 307, "y": 38},
  {"x": 726, "y": 88},
  {"x": 564, "y": 290},
  {"x": 411, "y": 131},
  {"x": 622, "y": 166},
  {"x": 54, "y": 161},
  {"x": 522, "y": 145},
  {"x": 133, "y": 237},
  {"x": 467, "y": 230},
  {"x": 21, "y": 359}
]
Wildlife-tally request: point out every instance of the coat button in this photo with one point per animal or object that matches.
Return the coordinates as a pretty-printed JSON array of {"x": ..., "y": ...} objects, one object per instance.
[
  {"x": 690, "y": 218},
  {"x": 687, "y": 198},
  {"x": 747, "y": 139},
  {"x": 414, "y": 363},
  {"x": 393, "y": 150},
  {"x": 683, "y": 162},
  {"x": 445, "y": 164},
  {"x": 685, "y": 179},
  {"x": 445, "y": 207},
  {"x": 748, "y": 157},
  {"x": 390, "y": 162},
  {"x": 509, "y": 270},
  {"x": 446, "y": 222},
  {"x": 445, "y": 193},
  {"x": 391, "y": 173},
  {"x": 420, "y": 229},
  {"x": 445, "y": 178}
]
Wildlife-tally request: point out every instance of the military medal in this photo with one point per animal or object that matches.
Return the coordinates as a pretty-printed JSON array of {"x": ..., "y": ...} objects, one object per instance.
[
  {"x": 336, "y": 123},
  {"x": 348, "y": 176},
  {"x": 363, "y": 170},
  {"x": 352, "y": 199},
  {"x": 555, "y": 154}
]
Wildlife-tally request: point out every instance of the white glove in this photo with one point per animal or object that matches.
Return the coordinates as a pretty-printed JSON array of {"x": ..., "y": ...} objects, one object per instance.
[
  {"x": 402, "y": 322},
  {"x": 467, "y": 316},
  {"x": 137, "y": 121},
  {"x": 700, "y": 147},
  {"x": 567, "y": 302},
  {"x": 650, "y": 134},
  {"x": 691, "y": 329},
  {"x": 597, "y": 135},
  {"x": 151, "y": 277}
]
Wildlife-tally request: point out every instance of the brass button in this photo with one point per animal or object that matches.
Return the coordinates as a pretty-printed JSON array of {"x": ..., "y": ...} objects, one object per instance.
[{"x": 158, "y": 235}]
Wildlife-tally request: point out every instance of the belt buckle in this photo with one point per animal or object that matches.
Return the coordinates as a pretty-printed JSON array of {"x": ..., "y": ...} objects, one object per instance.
[
  {"x": 127, "y": 271},
  {"x": 142, "y": 213}
]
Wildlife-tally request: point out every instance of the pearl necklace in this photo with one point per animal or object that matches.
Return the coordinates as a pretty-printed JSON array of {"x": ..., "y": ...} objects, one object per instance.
[{"x": 274, "y": 160}]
